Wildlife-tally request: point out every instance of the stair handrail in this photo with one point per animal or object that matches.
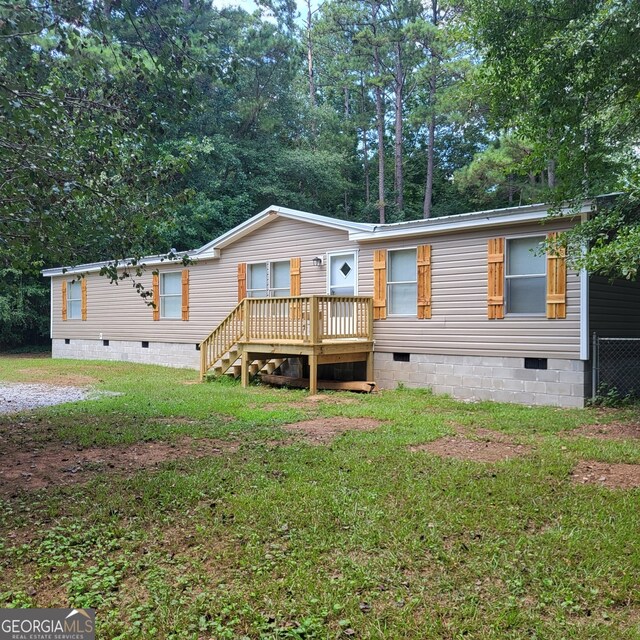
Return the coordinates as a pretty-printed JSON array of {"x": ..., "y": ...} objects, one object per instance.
[{"x": 221, "y": 339}]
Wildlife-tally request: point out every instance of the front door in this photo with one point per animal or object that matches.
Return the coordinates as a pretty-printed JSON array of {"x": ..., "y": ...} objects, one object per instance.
[{"x": 342, "y": 274}]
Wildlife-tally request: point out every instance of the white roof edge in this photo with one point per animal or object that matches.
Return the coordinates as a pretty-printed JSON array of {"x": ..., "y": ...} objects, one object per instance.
[
  {"x": 476, "y": 219},
  {"x": 145, "y": 261},
  {"x": 262, "y": 218}
]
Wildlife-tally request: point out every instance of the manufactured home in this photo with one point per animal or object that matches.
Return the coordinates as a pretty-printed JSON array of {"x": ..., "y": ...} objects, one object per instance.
[{"x": 467, "y": 305}]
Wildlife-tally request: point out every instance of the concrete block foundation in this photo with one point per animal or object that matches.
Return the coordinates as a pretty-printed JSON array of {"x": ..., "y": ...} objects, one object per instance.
[
  {"x": 504, "y": 379},
  {"x": 168, "y": 354}
]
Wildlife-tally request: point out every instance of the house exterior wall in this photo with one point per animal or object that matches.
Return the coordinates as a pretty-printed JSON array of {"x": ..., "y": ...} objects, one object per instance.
[
  {"x": 118, "y": 312},
  {"x": 614, "y": 307},
  {"x": 459, "y": 323}
]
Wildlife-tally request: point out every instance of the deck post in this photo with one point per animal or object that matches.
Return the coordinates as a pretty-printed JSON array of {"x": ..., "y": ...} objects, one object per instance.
[
  {"x": 203, "y": 367},
  {"x": 244, "y": 368},
  {"x": 313, "y": 374},
  {"x": 370, "y": 366},
  {"x": 314, "y": 320},
  {"x": 370, "y": 320},
  {"x": 246, "y": 309}
]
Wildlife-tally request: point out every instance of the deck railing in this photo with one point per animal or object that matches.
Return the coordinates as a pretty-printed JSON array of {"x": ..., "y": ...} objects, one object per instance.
[{"x": 290, "y": 320}]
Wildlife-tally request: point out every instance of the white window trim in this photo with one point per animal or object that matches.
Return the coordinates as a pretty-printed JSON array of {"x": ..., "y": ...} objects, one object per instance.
[
  {"x": 170, "y": 295},
  {"x": 70, "y": 299},
  {"x": 356, "y": 278},
  {"x": 268, "y": 287},
  {"x": 390, "y": 282},
  {"x": 511, "y": 314}
]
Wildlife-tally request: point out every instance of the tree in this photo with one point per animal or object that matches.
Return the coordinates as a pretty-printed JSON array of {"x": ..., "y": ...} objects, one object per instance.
[
  {"x": 80, "y": 170},
  {"x": 565, "y": 76}
]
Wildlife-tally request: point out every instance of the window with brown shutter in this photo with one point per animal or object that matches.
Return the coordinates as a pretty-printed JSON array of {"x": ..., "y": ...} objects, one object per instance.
[
  {"x": 84, "y": 298},
  {"x": 295, "y": 286},
  {"x": 556, "y": 280},
  {"x": 156, "y": 296},
  {"x": 424, "y": 281},
  {"x": 495, "y": 279},
  {"x": 379, "y": 284},
  {"x": 295, "y": 280},
  {"x": 242, "y": 281},
  {"x": 185, "y": 294},
  {"x": 64, "y": 299}
]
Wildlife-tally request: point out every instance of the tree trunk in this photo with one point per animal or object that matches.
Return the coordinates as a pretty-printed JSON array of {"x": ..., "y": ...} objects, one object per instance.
[
  {"x": 428, "y": 191},
  {"x": 433, "y": 85},
  {"x": 365, "y": 144},
  {"x": 379, "y": 115},
  {"x": 367, "y": 179},
  {"x": 399, "y": 91},
  {"x": 551, "y": 174},
  {"x": 312, "y": 83}
]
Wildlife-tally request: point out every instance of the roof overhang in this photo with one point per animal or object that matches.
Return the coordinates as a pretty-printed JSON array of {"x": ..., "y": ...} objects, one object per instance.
[
  {"x": 129, "y": 263},
  {"x": 469, "y": 221}
]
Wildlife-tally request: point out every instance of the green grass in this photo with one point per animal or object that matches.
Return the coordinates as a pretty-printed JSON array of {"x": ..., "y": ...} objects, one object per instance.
[{"x": 360, "y": 538}]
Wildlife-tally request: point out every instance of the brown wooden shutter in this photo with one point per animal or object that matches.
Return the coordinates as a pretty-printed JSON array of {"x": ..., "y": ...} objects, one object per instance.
[
  {"x": 64, "y": 299},
  {"x": 379, "y": 284},
  {"x": 242, "y": 281},
  {"x": 424, "y": 281},
  {"x": 294, "y": 275},
  {"x": 84, "y": 298},
  {"x": 295, "y": 287},
  {"x": 156, "y": 296},
  {"x": 185, "y": 294},
  {"x": 495, "y": 279},
  {"x": 556, "y": 281}
]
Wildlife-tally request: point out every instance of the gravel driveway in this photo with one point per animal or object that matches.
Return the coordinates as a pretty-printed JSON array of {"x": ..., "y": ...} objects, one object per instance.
[{"x": 21, "y": 397}]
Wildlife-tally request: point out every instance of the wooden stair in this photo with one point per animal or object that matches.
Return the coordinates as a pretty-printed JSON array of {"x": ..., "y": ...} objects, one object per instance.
[{"x": 229, "y": 364}]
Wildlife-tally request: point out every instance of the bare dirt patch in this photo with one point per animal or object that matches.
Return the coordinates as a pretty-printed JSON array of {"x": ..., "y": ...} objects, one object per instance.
[
  {"x": 612, "y": 431},
  {"x": 324, "y": 430},
  {"x": 476, "y": 450},
  {"x": 310, "y": 402},
  {"x": 604, "y": 474},
  {"x": 61, "y": 464}
]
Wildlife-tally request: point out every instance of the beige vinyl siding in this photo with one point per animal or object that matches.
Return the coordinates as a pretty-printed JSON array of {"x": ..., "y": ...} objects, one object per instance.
[
  {"x": 614, "y": 307},
  {"x": 459, "y": 323},
  {"x": 119, "y": 313}
]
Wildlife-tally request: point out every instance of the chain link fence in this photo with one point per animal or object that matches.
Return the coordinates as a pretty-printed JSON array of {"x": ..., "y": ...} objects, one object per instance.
[{"x": 616, "y": 366}]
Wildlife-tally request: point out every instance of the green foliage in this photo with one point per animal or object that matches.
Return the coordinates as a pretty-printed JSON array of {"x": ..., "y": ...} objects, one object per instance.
[
  {"x": 564, "y": 76},
  {"x": 497, "y": 176},
  {"x": 24, "y": 308}
]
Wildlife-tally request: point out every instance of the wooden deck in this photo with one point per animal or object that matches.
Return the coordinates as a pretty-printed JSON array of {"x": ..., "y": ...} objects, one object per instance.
[{"x": 323, "y": 329}]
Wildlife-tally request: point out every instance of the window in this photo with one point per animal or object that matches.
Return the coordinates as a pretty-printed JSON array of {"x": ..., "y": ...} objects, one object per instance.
[
  {"x": 268, "y": 279},
  {"x": 525, "y": 276},
  {"x": 171, "y": 295},
  {"x": 74, "y": 300},
  {"x": 402, "y": 283}
]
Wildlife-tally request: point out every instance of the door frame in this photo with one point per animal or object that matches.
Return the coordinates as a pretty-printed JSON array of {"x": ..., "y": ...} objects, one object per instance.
[{"x": 355, "y": 254}]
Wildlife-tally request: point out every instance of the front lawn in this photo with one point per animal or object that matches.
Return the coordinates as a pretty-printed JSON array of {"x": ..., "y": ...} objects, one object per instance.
[{"x": 265, "y": 532}]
